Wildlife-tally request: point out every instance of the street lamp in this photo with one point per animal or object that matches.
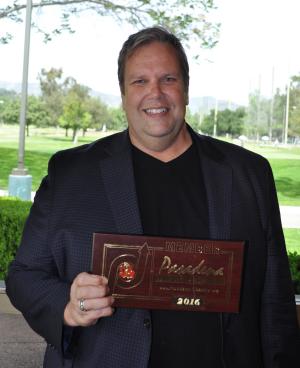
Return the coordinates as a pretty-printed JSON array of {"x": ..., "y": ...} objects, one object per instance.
[
  {"x": 215, "y": 118},
  {"x": 286, "y": 126},
  {"x": 19, "y": 181}
]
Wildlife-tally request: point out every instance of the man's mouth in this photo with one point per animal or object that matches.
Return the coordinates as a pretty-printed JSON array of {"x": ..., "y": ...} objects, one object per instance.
[{"x": 156, "y": 110}]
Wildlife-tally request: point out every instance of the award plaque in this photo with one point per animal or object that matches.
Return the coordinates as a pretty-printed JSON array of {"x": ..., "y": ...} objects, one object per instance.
[{"x": 170, "y": 273}]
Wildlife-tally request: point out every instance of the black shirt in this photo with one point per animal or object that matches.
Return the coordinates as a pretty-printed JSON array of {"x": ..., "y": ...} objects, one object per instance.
[{"x": 172, "y": 202}]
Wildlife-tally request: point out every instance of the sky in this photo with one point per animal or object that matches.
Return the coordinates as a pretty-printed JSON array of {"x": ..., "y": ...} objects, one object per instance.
[{"x": 258, "y": 38}]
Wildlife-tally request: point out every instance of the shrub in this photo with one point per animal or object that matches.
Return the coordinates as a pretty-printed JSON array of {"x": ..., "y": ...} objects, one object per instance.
[
  {"x": 294, "y": 259},
  {"x": 13, "y": 213}
]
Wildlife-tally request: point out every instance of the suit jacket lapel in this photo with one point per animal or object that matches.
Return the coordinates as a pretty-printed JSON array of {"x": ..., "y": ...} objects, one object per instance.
[
  {"x": 119, "y": 184},
  {"x": 118, "y": 178},
  {"x": 218, "y": 182},
  {"x": 217, "y": 177}
]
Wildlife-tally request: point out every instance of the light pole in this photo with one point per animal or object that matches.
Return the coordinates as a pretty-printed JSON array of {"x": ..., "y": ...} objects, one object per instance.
[
  {"x": 215, "y": 118},
  {"x": 19, "y": 180},
  {"x": 286, "y": 126}
]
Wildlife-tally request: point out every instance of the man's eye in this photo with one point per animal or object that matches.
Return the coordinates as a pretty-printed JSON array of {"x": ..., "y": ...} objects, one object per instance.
[
  {"x": 170, "y": 79},
  {"x": 139, "y": 81}
]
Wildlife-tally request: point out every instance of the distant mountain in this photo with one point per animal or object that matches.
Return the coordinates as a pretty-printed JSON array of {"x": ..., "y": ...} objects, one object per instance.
[
  {"x": 206, "y": 103},
  {"x": 33, "y": 88},
  {"x": 110, "y": 100},
  {"x": 197, "y": 104}
]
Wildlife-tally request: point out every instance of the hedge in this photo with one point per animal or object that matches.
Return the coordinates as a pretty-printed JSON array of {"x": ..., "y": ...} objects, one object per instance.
[
  {"x": 294, "y": 259},
  {"x": 13, "y": 213}
]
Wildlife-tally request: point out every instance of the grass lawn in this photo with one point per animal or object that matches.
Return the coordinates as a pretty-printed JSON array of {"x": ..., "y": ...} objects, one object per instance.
[
  {"x": 42, "y": 143},
  {"x": 287, "y": 180},
  {"x": 292, "y": 239},
  {"x": 40, "y": 146}
]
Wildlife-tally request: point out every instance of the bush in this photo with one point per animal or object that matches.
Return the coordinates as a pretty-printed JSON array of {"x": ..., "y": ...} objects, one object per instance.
[
  {"x": 13, "y": 213},
  {"x": 294, "y": 259}
]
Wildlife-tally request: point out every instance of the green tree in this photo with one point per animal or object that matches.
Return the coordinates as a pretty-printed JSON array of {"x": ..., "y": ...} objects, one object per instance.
[
  {"x": 75, "y": 114},
  {"x": 99, "y": 113},
  {"x": 189, "y": 19},
  {"x": 53, "y": 89},
  {"x": 278, "y": 114},
  {"x": 117, "y": 119},
  {"x": 193, "y": 119},
  {"x": 258, "y": 116},
  {"x": 36, "y": 113},
  {"x": 294, "y": 107},
  {"x": 10, "y": 111},
  {"x": 228, "y": 122}
]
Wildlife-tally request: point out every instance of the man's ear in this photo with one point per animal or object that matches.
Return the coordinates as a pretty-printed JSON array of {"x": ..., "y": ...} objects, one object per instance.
[
  {"x": 187, "y": 100},
  {"x": 123, "y": 100}
]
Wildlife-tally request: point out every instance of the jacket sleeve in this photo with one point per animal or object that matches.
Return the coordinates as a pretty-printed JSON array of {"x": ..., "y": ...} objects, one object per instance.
[
  {"x": 280, "y": 331},
  {"x": 33, "y": 283}
]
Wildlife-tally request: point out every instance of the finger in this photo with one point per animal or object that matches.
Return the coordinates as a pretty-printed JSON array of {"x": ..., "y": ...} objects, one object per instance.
[
  {"x": 97, "y": 304},
  {"x": 85, "y": 278},
  {"x": 90, "y": 292},
  {"x": 92, "y": 317}
]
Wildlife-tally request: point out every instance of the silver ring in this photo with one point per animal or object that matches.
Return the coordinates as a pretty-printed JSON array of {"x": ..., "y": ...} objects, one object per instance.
[{"x": 81, "y": 305}]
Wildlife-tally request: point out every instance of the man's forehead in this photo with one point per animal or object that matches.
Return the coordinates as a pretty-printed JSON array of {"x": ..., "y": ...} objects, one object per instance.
[
  {"x": 144, "y": 47},
  {"x": 154, "y": 56}
]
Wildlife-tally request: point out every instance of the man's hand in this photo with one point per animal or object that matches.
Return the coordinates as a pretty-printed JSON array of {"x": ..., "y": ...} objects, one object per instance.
[{"x": 93, "y": 291}]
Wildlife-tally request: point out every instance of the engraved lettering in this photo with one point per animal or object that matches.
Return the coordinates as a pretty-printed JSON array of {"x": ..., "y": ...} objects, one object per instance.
[
  {"x": 191, "y": 247},
  {"x": 188, "y": 302},
  {"x": 200, "y": 269}
]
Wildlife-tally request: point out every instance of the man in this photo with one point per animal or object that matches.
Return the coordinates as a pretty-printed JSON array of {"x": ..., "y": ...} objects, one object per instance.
[{"x": 157, "y": 178}]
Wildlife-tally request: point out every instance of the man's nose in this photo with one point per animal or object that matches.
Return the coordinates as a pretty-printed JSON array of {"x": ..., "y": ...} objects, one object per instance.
[{"x": 155, "y": 89}]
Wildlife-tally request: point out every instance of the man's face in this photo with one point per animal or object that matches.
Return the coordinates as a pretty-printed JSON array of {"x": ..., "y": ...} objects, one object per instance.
[{"x": 154, "y": 97}]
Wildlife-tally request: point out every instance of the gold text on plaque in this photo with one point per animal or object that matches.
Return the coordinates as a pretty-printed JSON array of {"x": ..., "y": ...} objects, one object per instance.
[{"x": 200, "y": 269}]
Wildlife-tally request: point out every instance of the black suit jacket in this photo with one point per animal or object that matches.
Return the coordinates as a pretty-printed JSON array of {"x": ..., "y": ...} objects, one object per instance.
[{"x": 92, "y": 188}]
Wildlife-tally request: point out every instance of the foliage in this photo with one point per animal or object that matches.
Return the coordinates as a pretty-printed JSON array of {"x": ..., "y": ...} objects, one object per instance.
[
  {"x": 294, "y": 261},
  {"x": 278, "y": 115},
  {"x": 36, "y": 113},
  {"x": 99, "y": 113},
  {"x": 227, "y": 122},
  {"x": 294, "y": 110},
  {"x": 193, "y": 119},
  {"x": 13, "y": 213},
  {"x": 53, "y": 92},
  {"x": 266, "y": 116},
  {"x": 117, "y": 119},
  {"x": 7, "y": 93},
  {"x": 75, "y": 114},
  {"x": 257, "y": 119},
  {"x": 189, "y": 19}
]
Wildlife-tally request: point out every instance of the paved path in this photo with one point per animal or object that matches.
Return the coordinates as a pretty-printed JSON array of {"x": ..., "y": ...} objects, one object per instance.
[
  {"x": 20, "y": 347},
  {"x": 290, "y": 215}
]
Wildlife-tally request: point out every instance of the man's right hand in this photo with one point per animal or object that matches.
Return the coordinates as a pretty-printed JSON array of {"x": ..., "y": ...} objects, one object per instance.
[{"x": 94, "y": 293}]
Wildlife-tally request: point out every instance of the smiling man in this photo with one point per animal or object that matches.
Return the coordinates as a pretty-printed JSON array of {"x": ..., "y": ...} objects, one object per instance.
[
  {"x": 159, "y": 178},
  {"x": 155, "y": 95}
]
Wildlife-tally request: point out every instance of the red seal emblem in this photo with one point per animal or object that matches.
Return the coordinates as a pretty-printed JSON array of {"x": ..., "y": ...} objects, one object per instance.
[{"x": 126, "y": 272}]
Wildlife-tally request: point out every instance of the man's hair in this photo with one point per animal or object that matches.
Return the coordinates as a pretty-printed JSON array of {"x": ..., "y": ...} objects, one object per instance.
[{"x": 147, "y": 36}]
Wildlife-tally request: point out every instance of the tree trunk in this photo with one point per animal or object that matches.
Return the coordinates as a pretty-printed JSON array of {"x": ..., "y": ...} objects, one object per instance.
[{"x": 75, "y": 136}]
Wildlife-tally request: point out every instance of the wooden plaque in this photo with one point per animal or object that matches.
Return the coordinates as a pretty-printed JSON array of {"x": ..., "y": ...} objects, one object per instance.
[{"x": 170, "y": 273}]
